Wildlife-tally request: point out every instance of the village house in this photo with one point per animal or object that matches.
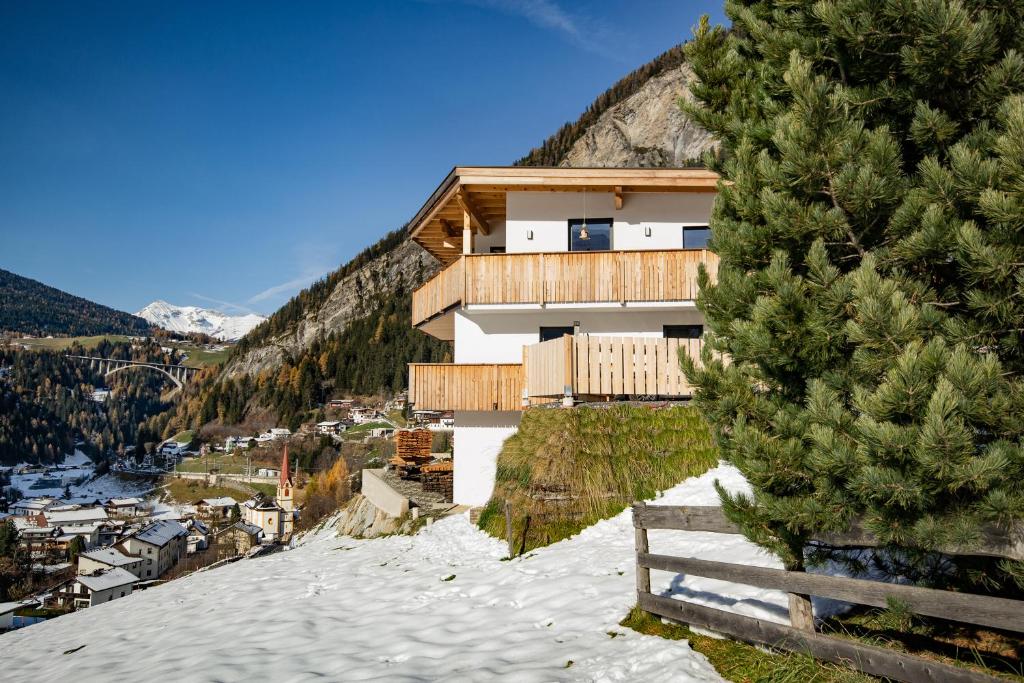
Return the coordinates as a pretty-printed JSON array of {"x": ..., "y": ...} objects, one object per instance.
[
  {"x": 216, "y": 508},
  {"x": 340, "y": 403},
  {"x": 198, "y": 536},
  {"x": 238, "y": 539},
  {"x": 31, "y": 506},
  {"x": 103, "y": 585},
  {"x": 276, "y": 516},
  {"x": 363, "y": 415},
  {"x": 123, "y": 507},
  {"x": 330, "y": 428},
  {"x": 92, "y": 561},
  {"x": 382, "y": 432},
  {"x": 76, "y": 515},
  {"x": 280, "y": 433},
  {"x": 268, "y": 472},
  {"x": 161, "y": 544},
  {"x": 35, "y": 536},
  {"x": 558, "y": 285}
]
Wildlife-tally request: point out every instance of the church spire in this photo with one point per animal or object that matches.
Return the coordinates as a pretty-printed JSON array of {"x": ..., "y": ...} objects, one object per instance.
[{"x": 285, "y": 475}]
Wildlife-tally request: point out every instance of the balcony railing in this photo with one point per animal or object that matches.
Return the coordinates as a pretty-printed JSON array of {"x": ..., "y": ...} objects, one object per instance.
[
  {"x": 563, "y": 277},
  {"x": 582, "y": 365},
  {"x": 451, "y": 386}
]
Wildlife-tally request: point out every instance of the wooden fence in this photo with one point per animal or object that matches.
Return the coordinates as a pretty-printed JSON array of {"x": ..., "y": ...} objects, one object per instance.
[
  {"x": 801, "y": 637},
  {"x": 592, "y": 365}
]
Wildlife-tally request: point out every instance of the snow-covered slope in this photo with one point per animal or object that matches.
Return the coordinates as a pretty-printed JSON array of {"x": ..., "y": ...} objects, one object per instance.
[
  {"x": 194, "y": 319},
  {"x": 440, "y": 605}
]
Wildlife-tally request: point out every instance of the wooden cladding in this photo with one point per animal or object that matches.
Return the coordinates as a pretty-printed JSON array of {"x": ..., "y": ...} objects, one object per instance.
[
  {"x": 564, "y": 278},
  {"x": 450, "y": 386},
  {"x": 609, "y": 366},
  {"x": 438, "y": 294}
]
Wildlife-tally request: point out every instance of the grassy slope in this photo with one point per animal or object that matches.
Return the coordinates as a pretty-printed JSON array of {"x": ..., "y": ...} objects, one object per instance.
[
  {"x": 197, "y": 358},
  {"x": 567, "y": 469}
]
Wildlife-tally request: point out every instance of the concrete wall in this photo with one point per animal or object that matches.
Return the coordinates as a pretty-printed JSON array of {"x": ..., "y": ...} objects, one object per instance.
[
  {"x": 384, "y": 498},
  {"x": 547, "y": 214},
  {"x": 478, "y": 438},
  {"x": 499, "y": 336}
]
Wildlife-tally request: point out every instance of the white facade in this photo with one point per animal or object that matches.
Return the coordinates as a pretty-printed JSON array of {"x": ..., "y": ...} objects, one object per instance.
[{"x": 478, "y": 437}]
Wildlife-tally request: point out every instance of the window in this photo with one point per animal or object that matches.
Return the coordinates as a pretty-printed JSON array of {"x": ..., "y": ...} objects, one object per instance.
[
  {"x": 549, "y": 333},
  {"x": 696, "y": 236},
  {"x": 497, "y": 250},
  {"x": 598, "y": 236},
  {"x": 683, "y": 331}
]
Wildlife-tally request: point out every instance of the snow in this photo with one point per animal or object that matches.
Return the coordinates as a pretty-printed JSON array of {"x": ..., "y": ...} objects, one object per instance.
[
  {"x": 194, "y": 319},
  {"x": 438, "y": 605},
  {"x": 78, "y": 466}
]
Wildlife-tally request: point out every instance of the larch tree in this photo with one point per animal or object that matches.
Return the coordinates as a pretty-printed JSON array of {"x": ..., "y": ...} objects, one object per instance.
[{"x": 869, "y": 301}]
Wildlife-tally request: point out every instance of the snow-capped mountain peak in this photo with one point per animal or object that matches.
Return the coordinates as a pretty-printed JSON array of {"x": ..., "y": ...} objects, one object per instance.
[{"x": 194, "y": 319}]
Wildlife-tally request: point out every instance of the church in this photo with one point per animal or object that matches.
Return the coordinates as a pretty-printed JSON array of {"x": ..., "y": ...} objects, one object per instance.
[{"x": 276, "y": 516}]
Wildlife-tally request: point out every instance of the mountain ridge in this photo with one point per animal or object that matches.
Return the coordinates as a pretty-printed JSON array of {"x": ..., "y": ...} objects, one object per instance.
[
  {"x": 31, "y": 307},
  {"x": 184, "y": 319}
]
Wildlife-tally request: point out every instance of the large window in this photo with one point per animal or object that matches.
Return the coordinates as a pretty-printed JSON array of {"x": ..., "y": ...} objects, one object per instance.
[
  {"x": 696, "y": 236},
  {"x": 683, "y": 331},
  {"x": 597, "y": 236},
  {"x": 549, "y": 333}
]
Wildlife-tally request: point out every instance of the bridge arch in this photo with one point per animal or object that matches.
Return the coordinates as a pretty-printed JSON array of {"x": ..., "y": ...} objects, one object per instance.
[{"x": 177, "y": 382}]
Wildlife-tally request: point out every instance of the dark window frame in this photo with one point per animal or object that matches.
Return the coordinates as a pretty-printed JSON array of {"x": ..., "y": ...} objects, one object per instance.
[
  {"x": 563, "y": 330},
  {"x": 591, "y": 221},
  {"x": 697, "y": 226},
  {"x": 682, "y": 331}
]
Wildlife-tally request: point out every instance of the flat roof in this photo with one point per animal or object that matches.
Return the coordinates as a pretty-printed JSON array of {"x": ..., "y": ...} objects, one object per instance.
[{"x": 481, "y": 190}]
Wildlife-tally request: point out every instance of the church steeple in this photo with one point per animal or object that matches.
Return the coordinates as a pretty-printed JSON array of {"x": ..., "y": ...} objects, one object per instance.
[{"x": 285, "y": 485}]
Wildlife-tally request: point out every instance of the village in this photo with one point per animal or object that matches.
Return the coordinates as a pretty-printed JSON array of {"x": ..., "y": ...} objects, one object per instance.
[{"x": 101, "y": 537}]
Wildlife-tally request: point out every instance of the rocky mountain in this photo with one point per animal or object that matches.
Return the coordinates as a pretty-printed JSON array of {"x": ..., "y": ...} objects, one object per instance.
[
  {"x": 30, "y": 307},
  {"x": 645, "y": 129},
  {"x": 184, "y": 319}
]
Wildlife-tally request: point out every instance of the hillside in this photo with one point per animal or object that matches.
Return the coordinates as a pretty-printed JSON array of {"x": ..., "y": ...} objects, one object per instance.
[
  {"x": 32, "y": 308},
  {"x": 350, "y": 332}
]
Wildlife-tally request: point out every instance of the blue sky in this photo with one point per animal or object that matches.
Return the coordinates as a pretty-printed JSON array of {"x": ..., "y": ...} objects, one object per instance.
[{"x": 227, "y": 154}]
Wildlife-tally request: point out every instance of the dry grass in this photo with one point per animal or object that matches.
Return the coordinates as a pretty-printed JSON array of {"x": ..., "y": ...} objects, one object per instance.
[
  {"x": 566, "y": 469},
  {"x": 744, "y": 663}
]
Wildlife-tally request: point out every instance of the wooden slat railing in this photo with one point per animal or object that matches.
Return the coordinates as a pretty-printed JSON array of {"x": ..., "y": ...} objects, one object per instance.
[
  {"x": 609, "y": 366},
  {"x": 439, "y": 293},
  {"x": 451, "y": 386},
  {"x": 962, "y": 607},
  {"x": 564, "y": 277}
]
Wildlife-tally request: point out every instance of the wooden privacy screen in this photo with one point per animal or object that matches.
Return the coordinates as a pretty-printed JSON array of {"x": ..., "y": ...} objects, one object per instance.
[{"x": 962, "y": 607}]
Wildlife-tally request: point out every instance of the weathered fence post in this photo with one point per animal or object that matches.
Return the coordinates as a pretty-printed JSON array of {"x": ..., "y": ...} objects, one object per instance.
[
  {"x": 800, "y": 614},
  {"x": 643, "y": 574},
  {"x": 508, "y": 530}
]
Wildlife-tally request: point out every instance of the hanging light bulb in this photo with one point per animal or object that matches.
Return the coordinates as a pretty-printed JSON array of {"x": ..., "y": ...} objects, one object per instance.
[{"x": 584, "y": 233}]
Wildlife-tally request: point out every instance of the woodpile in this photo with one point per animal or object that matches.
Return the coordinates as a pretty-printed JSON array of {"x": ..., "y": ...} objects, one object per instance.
[
  {"x": 413, "y": 443},
  {"x": 438, "y": 477}
]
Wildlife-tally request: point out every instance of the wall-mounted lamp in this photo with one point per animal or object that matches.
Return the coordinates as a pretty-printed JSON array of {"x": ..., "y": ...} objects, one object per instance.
[
  {"x": 529, "y": 234},
  {"x": 647, "y": 231}
]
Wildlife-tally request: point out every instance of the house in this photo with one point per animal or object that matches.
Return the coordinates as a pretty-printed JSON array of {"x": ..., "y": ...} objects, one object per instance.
[
  {"x": 76, "y": 515},
  {"x": 7, "y": 610},
  {"x": 31, "y": 506},
  {"x": 340, "y": 403},
  {"x": 88, "y": 532},
  {"x": 198, "y": 536},
  {"x": 123, "y": 507},
  {"x": 363, "y": 415},
  {"x": 280, "y": 433},
  {"x": 103, "y": 585},
  {"x": 161, "y": 544},
  {"x": 558, "y": 285},
  {"x": 35, "y": 536},
  {"x": 238, "y": 539},
  {"x": 382, "y": 432},
  {"x": 92, "y": 561},
  {"x": 268, "y": 472},
  {"x": 276, "y": 516},
  {"x": 330, "y": 428},
  {"x": 216, "y": 508}
]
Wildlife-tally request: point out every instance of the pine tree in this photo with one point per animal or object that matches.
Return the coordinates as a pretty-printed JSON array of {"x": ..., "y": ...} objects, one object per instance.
[{"x": 870, "y": 295}]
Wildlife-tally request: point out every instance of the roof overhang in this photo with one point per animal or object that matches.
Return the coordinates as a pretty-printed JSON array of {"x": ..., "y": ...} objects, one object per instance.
[{"x": 477, "y": 193}]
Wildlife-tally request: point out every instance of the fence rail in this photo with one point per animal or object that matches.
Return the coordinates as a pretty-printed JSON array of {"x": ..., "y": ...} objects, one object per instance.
[
  {"x": 980, "y": 610},
  {"x": 456, "y": 386}
]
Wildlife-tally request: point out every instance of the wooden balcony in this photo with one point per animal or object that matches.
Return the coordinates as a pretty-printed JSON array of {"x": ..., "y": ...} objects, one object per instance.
[
  {"x": 586, "y": 366},
  {"x": 563, "y": 277},
  {"x": 451, "y": 386}
]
